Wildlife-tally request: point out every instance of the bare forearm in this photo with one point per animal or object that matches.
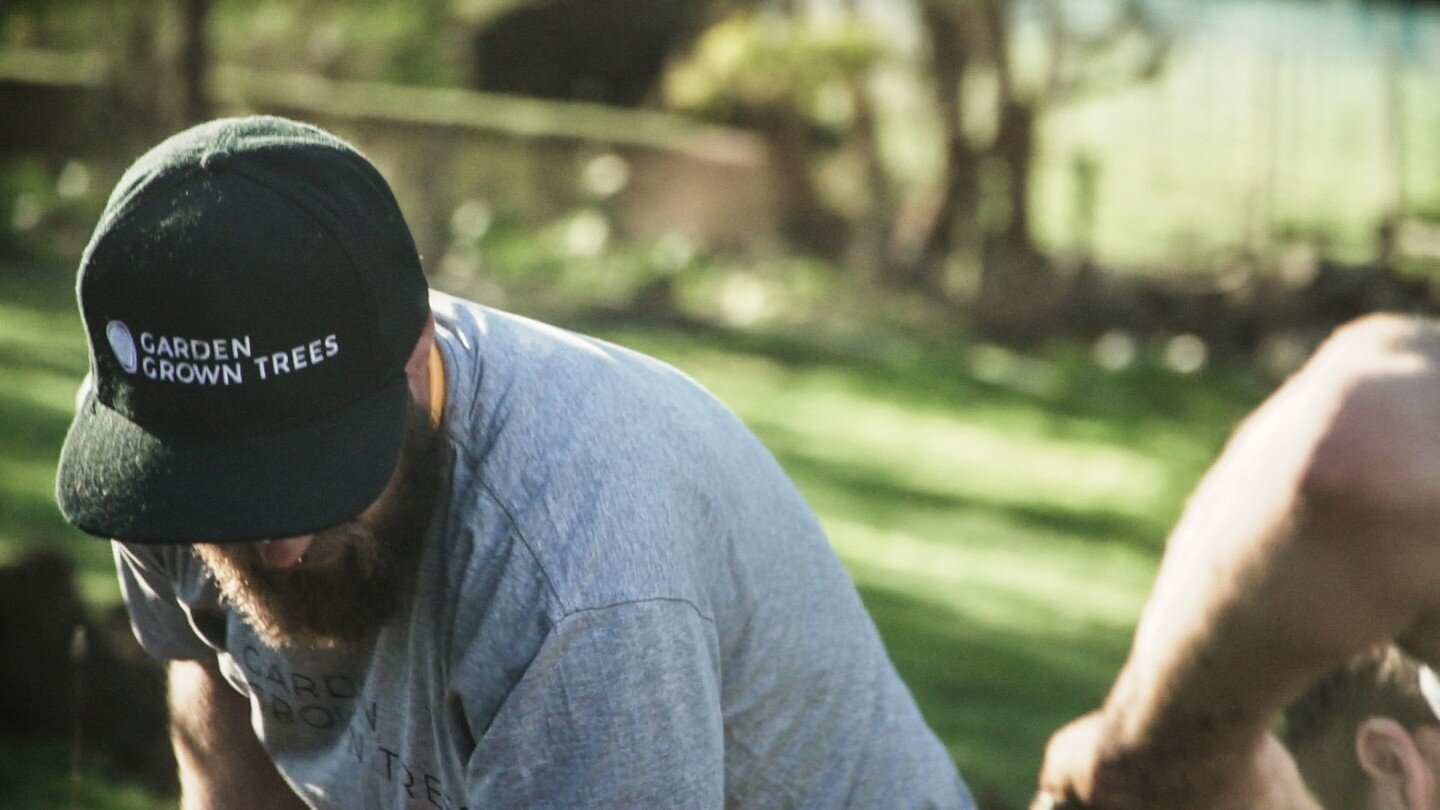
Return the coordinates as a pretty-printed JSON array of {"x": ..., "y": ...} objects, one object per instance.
[
  {"x": 222, "y": 764},
  {"x": 1311, "y": 538},
  {"x": 1228, "y": 640},
  {"x": 1191, "y": 708}
]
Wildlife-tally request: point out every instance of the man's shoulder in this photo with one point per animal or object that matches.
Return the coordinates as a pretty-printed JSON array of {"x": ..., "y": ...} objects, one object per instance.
[
  {"x": 518, "y": 348},
  {"x": 604, "y": 465},
  {"x": 529, "y": 400}
]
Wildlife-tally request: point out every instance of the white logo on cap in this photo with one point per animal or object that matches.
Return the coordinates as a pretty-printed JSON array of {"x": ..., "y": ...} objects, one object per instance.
[{"x": 122, "y": 344}]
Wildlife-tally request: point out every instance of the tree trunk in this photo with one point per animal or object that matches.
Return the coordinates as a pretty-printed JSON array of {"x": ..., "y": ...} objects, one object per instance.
[
  {"x": 955, "y": 223},
  {"x": 1015, "y": 135},
  {"x": 607, "y": 51},
  {"x": 1015, "y": 146},
  {"x": 807, "y": 219},
  {"x": 866, "y": 253},
  {"x": 1020, "y": 295}
]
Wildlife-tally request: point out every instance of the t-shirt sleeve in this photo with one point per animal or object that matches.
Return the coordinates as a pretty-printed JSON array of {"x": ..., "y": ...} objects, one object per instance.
[
  {"x": 148, "y": 580},
  {"x": 620, "y": 708}
]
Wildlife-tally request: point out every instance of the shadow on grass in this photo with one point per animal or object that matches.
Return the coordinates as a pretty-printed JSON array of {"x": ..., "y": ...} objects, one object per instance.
[
  {"x": 943, "y": 373},
  {"x": 874, "y": 496},
  {"x": 31, "y": 432},
  {"x": 992, "y": 693},
  {"x": 993, "y": 698},
  {"x": 60, "y": 363}
]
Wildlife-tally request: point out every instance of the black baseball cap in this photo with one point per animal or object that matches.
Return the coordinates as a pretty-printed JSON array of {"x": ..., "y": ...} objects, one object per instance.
[{"x": 251, "y": 296}]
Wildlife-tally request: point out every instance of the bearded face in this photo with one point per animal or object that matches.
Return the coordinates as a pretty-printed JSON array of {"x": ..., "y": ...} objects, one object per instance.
[{"x": 355, "y": 576}]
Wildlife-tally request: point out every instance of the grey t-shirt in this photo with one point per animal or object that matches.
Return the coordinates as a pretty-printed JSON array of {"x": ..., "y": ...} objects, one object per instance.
[{"x": 622, "y": 602}]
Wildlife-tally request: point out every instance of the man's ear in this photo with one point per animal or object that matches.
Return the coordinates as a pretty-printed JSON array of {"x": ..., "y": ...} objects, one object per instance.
[
  {"x": 1388, "y": 755},
  {"x": 417, "y": 368}
]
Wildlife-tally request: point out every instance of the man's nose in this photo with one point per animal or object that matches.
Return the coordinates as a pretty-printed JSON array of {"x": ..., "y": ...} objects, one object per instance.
[{"x": 284, "y": 553}]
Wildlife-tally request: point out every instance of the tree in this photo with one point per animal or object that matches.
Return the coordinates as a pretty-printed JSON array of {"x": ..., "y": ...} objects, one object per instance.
[
  {"x": 955, "y": 223},
  {"x": 1017, "y": 287},
  {"x": 610, "y": 51},
  {"x": 768, "y": 72}
]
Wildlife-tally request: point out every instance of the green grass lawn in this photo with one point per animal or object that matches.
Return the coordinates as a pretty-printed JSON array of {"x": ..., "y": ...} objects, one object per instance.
[
  {"x": 1002, "y": 514},
  {"x": 42, "y": 358}
]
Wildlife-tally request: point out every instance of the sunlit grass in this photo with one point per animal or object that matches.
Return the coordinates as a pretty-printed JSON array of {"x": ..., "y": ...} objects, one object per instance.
[
  {"x": 1002, "y": 514},
  {"x": 1003, "y": 531},
  {"x": 42, "y": 358},
  {"x": 40, "y": 388}
]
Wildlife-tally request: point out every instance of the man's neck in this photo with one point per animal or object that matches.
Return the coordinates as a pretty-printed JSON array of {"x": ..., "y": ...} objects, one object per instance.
[{"x": 437, "y": 385}]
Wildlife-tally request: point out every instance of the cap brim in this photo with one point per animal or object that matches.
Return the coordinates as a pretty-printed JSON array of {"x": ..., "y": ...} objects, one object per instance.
[{"x": 118, "y": 481}]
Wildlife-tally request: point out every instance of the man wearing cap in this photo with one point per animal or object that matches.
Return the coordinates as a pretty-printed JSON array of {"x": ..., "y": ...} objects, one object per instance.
[
  {"x": 1315, "y": 536},
  {"x": 402, "y": 550}
]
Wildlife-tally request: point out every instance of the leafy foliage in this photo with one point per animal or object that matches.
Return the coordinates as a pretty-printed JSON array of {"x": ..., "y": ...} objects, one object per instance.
[{"x": 755, "y": 59}]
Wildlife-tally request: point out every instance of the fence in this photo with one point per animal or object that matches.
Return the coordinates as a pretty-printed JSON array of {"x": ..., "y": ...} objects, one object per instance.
[
  {"x": 1272, "y": 122},
  {"x": 452, "y": 150}
]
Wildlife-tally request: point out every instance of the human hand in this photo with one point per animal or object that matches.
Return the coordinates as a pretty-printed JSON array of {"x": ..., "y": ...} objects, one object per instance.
[{"x": 1084, "y": 769}]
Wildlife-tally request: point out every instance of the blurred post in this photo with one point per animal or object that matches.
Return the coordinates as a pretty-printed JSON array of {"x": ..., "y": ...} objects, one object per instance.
[
  {"x": 1394, "y": 96},
  {"x": 1085, "y": 169},
  {"x": 194, "y": 103}
]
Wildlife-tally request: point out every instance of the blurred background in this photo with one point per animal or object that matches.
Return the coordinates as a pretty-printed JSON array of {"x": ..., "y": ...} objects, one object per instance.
[{"x": 993, "y": 279}]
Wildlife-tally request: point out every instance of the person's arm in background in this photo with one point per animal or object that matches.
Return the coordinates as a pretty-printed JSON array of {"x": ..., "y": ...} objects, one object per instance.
[
  {"x": 1315, "y": 534},
  {"x": 221, "y": 762}
]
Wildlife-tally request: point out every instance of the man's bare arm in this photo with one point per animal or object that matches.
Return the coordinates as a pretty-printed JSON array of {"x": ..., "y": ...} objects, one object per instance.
[
  {"x": 1314, "y": 535},
  {"x": 221, "y": 762}
]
